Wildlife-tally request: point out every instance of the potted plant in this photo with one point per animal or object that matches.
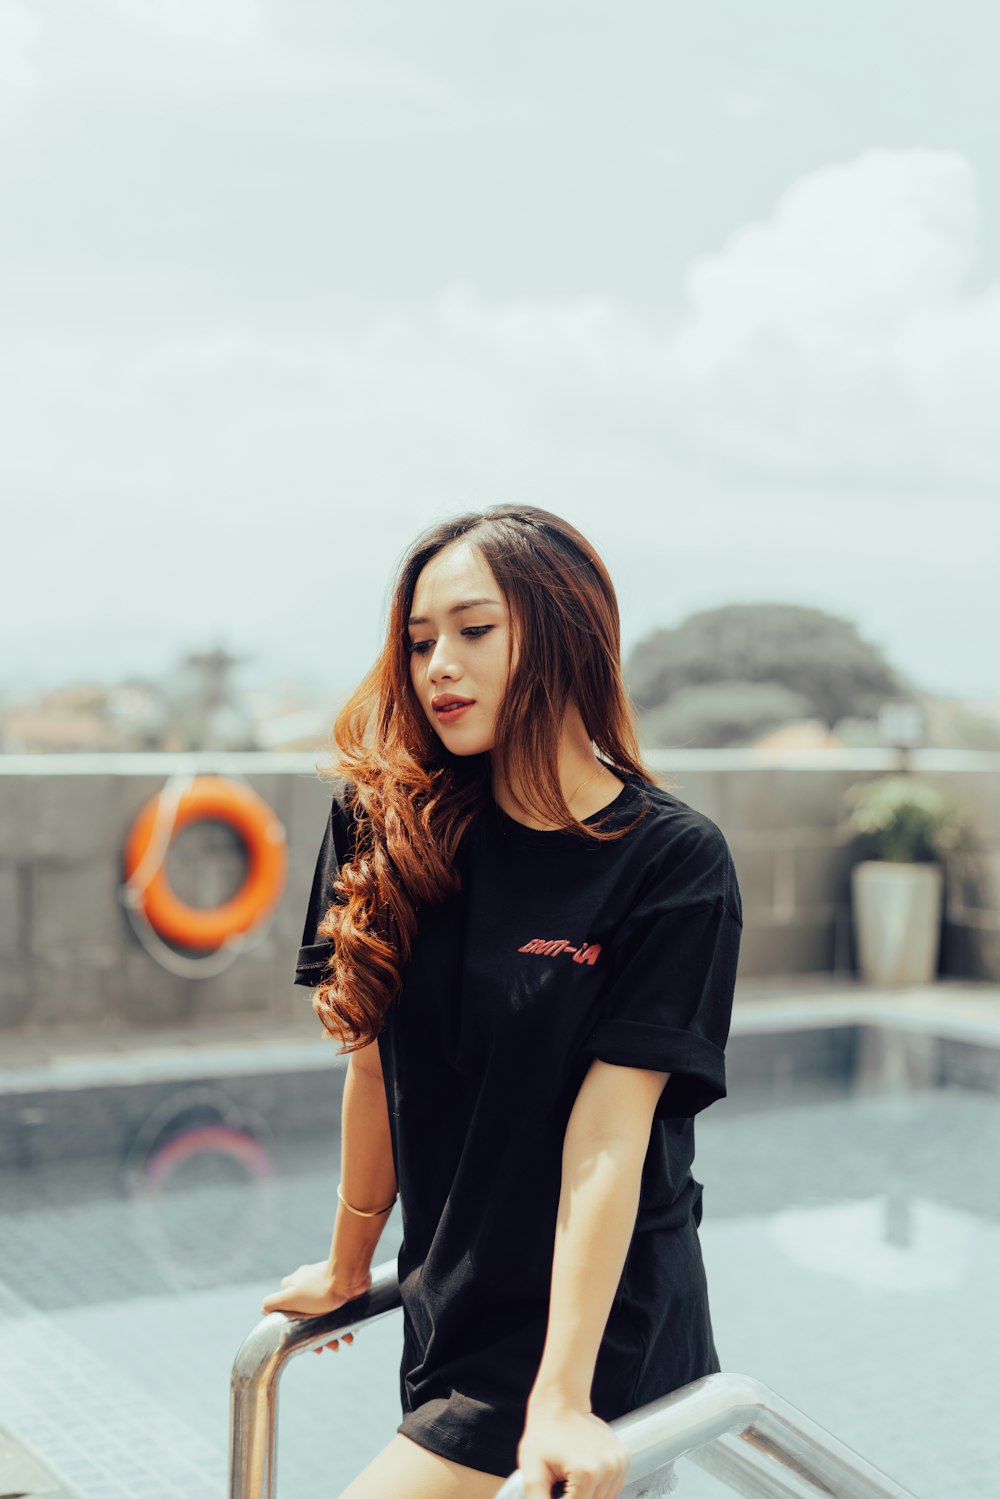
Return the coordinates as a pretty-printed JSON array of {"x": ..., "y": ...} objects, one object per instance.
[{"x": 907, "y": 828}]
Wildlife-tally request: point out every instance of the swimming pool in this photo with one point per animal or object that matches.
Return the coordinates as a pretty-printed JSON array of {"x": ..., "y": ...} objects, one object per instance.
[{"x": 852, "y": 1246}]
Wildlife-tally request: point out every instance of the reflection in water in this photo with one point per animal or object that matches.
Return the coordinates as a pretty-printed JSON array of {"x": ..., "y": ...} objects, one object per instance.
[
  {"x": 235, "y": 1143},
  {"x": 852, "y": 1246},
  {"x": 201, "y": 1188},
  {"x": 882, "y": 1243},
  {"x": 899, "y": 1226}
]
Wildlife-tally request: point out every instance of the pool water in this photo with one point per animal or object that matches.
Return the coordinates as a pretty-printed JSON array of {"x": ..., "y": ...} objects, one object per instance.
[{"x": 852, "y": 1245}]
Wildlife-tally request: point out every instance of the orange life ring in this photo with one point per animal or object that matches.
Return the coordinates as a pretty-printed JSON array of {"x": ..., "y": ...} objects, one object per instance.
[{"x": 212, "y": 797}]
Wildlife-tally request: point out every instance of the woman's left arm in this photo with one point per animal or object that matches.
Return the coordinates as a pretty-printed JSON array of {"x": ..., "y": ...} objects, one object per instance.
[{"x": 603, "y": 1153}]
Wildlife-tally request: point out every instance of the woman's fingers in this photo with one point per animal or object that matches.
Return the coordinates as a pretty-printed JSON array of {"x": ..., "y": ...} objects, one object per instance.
[
  {"x": 282, "y": 1301},
  {"x": 347, "y": 1337}
]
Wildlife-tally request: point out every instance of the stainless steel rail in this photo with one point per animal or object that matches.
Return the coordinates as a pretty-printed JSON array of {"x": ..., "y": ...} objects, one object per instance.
[
  {"x": 770, "y": 1448},
  {"x": 253, "y": 1385},
  {"x": 729, "y": 1424}
]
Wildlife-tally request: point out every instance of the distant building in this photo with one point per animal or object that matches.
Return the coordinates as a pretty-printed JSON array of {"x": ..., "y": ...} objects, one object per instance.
[
  {"x": 66, "y": 720},
  {"x": 802, "y": 733}
]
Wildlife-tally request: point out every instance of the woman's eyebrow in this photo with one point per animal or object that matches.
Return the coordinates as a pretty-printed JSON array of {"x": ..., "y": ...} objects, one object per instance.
[{"x": 422, "y": 619}]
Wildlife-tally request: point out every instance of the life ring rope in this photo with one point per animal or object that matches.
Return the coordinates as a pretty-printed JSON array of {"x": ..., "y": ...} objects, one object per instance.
[
  {"x": 153, "y": 859},
  {"x": 205, "y": 967}
]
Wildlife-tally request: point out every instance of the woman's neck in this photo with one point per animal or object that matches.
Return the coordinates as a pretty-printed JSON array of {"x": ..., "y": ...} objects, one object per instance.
[{"x": 587, "y": 789}]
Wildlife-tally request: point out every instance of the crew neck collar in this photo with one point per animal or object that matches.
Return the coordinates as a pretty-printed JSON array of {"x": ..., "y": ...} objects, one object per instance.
[{"x": 511, "y": 828}]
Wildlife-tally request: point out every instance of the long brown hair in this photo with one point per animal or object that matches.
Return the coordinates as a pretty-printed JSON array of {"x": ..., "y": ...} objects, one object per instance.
[{"x": 412, "y": 799}]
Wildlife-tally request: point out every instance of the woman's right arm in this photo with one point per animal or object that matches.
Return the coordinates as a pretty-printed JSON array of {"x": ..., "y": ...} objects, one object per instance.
[
  {"x": 367, "y": 1180},
  {"x": 367, "y": 1173}
]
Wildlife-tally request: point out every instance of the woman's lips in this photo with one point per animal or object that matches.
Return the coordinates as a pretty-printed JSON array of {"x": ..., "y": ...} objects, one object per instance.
[{"x": 454, "y": 710}]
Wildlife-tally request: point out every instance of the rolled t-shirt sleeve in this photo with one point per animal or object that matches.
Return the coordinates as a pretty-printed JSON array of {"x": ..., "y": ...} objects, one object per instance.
[
  {"x": 315, "y": 952},
  {"x": 670, "y": 1000}
]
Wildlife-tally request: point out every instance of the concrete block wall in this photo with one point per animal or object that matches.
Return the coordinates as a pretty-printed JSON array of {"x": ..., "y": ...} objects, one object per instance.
[
  {"x": 792, "y": 865},
  {"x": 783, "y": 822},
  {"x": 68, "y": 953},
  {"x": 69, "y": 957}
]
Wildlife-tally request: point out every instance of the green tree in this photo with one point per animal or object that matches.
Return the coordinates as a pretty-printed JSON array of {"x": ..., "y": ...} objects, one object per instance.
[
  {"x": 818, "y": 657},
  {"x": 972, "y": 730},
  {"x": 719, "y": 714}
]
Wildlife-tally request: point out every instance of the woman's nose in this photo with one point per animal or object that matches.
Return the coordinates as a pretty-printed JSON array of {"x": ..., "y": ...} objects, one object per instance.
[{"x": 440, "y": 664}]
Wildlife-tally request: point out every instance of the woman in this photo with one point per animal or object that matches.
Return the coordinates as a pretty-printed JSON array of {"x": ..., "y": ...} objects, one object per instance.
[{"x": 536, "y": 952}]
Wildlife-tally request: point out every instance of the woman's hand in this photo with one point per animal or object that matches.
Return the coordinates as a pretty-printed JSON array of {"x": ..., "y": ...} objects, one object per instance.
[
  {"x": 312, "y": 1290},
  {"x": 562, "y": 1441}
]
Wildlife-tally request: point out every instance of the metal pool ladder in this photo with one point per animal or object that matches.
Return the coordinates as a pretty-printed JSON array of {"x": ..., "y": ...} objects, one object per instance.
[{"x": 729, "y": 1424}]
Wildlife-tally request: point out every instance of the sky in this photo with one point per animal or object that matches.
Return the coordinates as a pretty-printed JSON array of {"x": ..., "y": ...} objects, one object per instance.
[{"x": 283, "y": 284}]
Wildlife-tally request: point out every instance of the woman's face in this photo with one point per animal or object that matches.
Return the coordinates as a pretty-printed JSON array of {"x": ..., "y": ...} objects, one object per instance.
[{"x": 461, "y": 653}]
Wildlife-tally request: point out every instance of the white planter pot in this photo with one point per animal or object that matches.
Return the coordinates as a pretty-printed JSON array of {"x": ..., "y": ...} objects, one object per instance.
[{"x": 897, "y": 921}]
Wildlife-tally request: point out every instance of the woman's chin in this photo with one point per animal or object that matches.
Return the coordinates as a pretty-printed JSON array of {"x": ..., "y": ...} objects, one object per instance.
[{"x": 463, "y": 747}]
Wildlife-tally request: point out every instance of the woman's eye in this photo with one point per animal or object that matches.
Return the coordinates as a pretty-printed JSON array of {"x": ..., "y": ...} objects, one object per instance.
[{"x": 419, "y": 648}]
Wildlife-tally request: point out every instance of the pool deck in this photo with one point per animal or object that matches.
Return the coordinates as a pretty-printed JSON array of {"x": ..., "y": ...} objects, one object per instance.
[{"x": 959, "y": 1009}]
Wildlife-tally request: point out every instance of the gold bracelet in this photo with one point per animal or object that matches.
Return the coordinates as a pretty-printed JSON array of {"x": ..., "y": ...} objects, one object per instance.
[{"x": 360, "y": 1212}]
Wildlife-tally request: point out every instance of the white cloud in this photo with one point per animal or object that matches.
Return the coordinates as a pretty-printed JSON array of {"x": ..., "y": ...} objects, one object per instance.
[
  {"x": 224, "y": 48},
  {"x": 837, "y": 333},
  {"x": 851, "y": 252},
  {"x": 218, "y": 25},
  {"x": 834, "y": 337},
  {"x": 798, "y": 354},
  {"x": 20, "y": 42}
]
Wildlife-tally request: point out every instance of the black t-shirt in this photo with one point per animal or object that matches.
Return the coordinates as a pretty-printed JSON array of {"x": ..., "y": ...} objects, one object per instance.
[{"x": 555, "y": 951}]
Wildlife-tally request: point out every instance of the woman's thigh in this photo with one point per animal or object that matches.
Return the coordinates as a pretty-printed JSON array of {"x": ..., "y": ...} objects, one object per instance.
[{"x": 406, "y": 1470}]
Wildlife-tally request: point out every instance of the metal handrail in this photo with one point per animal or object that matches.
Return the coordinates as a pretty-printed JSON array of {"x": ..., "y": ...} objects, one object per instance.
[
  {"x": 730, "y": 1424},
  {"x": 777, "y": 1451},
  {"x": 257, "y": 1367}
]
